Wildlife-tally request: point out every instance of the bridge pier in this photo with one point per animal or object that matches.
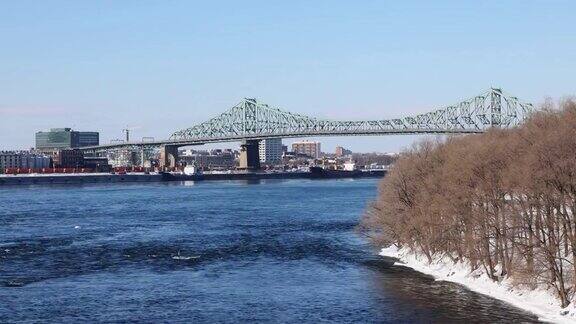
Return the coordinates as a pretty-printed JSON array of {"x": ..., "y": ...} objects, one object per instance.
[
  {"x": 249, "y": 157},
  {"x": 168, "y": 156}
]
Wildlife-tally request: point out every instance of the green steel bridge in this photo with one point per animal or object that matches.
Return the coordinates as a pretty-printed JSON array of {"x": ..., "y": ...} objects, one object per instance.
[{"x": 251, "y": 121}]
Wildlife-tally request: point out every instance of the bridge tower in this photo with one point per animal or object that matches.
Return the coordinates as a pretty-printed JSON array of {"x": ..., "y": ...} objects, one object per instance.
[
  {"x": 496, "y": 107},
  {"x": 168, "y": 156},
  {"x": 249, "y": 158}
]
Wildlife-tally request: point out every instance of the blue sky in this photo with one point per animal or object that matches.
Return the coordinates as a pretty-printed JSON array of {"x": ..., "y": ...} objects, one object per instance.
[{"x": 160, "y": 66}]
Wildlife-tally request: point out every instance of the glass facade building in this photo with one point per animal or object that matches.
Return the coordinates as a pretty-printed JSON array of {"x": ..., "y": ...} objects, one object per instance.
[
  {"x": 88, "y": 139},
  {"x": 270, "y": 151},
  {"x": 65, "y": 138}
]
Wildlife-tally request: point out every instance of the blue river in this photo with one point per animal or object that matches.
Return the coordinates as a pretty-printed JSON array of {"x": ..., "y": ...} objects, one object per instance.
[{"x": 212, "y": 252}]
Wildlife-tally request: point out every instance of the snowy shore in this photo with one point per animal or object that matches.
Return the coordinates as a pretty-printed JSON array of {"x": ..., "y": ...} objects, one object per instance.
[{"x": 539, "y": 302}]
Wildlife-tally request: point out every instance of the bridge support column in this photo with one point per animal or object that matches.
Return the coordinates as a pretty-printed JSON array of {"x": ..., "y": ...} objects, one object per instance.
[
  {"x": 249, "y": 157},
  {"x": 168, "y": 156}
]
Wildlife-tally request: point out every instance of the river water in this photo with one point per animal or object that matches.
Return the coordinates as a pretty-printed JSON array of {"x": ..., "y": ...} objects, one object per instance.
[{"x": 212, "y": 252}]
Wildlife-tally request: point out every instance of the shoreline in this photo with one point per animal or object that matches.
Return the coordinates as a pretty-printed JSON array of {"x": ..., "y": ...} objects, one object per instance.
[
  {"x": 539, "y": 302},
  {"x": 79, "y": 178}
]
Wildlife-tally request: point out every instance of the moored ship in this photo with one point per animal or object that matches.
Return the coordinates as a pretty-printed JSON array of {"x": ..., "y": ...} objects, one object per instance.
[{"x": 318, "y": 172}]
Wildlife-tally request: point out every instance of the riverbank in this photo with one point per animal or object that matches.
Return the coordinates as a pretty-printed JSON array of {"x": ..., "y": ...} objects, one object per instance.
[
  {"x": 78, "y": 178},
  {"x": 540, "y": 302}
]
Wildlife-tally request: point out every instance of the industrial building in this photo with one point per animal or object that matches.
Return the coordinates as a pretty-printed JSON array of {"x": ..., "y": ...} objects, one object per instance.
[
  {"x": 65, "y": 138},
  {"x": 123, "y": 157},
  {"x": 23, "y": 160},
  {"x": 214, "y": 159},
  {"x": 309, "y": 148},
  {"x": 68, "y": 159},
  {"x": 98, "y": 164},
  {"x": 270, "y": 151}
]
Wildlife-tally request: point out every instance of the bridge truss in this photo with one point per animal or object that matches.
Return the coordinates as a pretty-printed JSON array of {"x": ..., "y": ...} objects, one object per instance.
[
  {"x": 251, "y": 119},
  {"x": 254, "y": 120}
]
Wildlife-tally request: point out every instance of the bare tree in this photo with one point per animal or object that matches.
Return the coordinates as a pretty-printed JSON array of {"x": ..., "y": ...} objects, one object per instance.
[{"x": 503, "y": 201}]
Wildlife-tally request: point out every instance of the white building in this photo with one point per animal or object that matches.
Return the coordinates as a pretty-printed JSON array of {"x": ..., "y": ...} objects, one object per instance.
[{"x": 270, "y": 151}]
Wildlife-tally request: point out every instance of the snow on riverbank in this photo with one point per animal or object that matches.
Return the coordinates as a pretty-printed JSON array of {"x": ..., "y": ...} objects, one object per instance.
[{"x": 540, "y": 302}]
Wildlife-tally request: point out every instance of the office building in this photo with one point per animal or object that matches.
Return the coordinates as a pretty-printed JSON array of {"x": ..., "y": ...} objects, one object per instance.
[
  {"x": 65, "y": 138},
  {"x": 309, "y": 148},
  {"x": 270, "y": 151},
  {"x": 87, "y": 139}
]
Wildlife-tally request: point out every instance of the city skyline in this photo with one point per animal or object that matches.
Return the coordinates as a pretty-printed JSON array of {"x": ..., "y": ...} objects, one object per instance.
[{"x": 103, "y": 66}]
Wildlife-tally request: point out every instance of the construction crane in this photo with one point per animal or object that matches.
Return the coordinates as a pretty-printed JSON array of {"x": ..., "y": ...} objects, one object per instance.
[{"x": 127, "y": 131}]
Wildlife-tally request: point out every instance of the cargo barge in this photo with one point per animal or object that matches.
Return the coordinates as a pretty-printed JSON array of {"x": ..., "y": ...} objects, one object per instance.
[
  {"x": 79, "y": 178},
  {"x": 320, "y": 173}
]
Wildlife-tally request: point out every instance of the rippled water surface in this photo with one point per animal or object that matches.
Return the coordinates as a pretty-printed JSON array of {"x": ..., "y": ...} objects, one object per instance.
[{"x": 265, "y": 251}]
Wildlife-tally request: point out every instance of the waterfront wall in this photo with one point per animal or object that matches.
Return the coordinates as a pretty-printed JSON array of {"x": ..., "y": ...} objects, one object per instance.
[{"x": 120, "y": 178}]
